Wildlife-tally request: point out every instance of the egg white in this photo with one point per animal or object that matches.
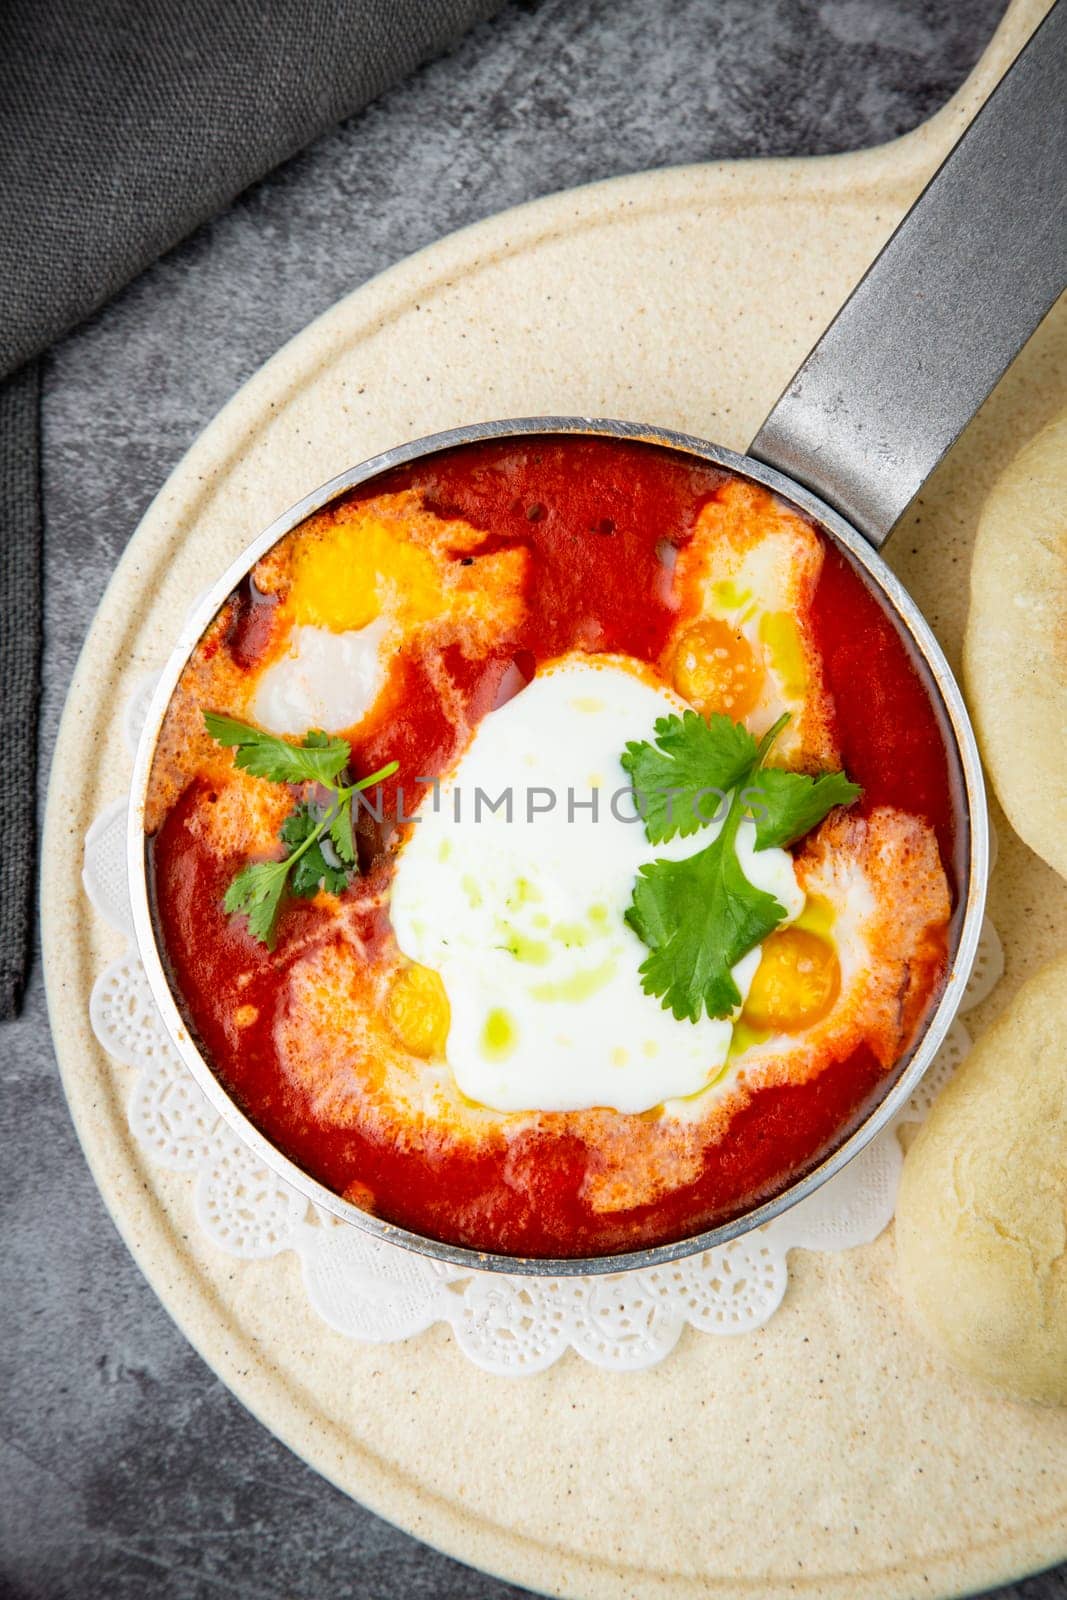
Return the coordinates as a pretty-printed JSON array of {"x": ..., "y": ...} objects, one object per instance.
[
  {"x": 761, "y": 586},
  {"x": 324, "y": 680}
]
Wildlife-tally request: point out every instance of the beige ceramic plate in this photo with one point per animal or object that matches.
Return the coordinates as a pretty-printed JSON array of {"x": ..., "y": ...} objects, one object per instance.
[{"x": 829, "y": 1453}]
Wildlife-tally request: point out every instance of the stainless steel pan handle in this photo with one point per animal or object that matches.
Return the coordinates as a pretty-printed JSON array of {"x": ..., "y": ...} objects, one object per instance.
[{"x": 945, "y": 308}]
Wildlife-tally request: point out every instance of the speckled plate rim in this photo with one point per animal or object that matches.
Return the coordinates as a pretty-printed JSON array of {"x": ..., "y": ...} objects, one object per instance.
[{"x": 894, "y": 173}]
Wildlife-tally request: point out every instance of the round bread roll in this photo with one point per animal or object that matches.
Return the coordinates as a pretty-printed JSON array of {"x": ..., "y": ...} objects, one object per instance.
[
  {"x": 982, "y": 1214},
  {"x": 1015, "y": 647}
]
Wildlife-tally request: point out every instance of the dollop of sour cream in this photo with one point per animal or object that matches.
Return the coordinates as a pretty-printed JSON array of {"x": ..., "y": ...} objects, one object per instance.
[{"x": 513, "y": 887}]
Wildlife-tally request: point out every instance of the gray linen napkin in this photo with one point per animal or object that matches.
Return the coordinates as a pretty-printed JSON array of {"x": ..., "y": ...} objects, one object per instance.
[
  {"x": 20, "y": 656},
  {"x": 123, "y": 125}
]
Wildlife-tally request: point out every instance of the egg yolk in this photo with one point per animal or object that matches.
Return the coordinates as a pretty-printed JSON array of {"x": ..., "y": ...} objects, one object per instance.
[
  {"x": 796, "y": 983},
  {"x": 715, "y": 669},
  {"x": 343, "y": 579},
  {"x": 419, "y": 1011}
]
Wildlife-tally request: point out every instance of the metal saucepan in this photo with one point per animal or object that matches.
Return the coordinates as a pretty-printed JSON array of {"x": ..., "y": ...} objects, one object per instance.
[{"x": 942, "y": 312}]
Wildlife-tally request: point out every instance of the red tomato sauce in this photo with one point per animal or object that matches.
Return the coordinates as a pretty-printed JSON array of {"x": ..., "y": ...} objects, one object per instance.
[{"x": 594, "y": 516}]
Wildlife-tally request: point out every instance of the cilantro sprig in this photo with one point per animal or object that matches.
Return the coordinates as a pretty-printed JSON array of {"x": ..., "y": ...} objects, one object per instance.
[
  {"x": 700, "y": 916},
  {"x": 320, "y": 846}
]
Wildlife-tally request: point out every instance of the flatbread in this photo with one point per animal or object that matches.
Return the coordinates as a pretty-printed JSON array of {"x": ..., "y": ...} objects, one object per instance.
[
  {"x": 981, "y": 1223},
  {"x": 1015, "y": 648}
]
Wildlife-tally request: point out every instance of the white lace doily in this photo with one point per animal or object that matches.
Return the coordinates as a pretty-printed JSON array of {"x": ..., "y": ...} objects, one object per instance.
[{"x": 375, "y": 1291}]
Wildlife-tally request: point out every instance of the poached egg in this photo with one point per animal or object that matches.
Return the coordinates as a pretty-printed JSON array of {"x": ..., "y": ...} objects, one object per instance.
[{"x": 743, "y": 646}]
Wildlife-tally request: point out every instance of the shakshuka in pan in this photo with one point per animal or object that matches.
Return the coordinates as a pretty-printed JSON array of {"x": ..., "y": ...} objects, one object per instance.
[{"x": 553, "y": 846}]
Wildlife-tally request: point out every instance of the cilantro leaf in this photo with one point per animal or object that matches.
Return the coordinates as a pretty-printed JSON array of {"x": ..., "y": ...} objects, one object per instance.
[
  {"x": 316, "y": 865},
  {"x": 698, "y": 917},
  {"x": 299, "y": 825},
  {"x": 681, "y": 779},
  {"x": 319, "y": 759},
  {"x": 787, "y": 805},
  {"x": 313, "y": 872},
  {"x": 340, "y": 831},
  {"x": 256, "y": 893}
]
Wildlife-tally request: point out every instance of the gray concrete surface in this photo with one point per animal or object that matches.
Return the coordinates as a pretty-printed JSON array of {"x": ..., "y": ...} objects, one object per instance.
[{"x": 126, "y": 1469}]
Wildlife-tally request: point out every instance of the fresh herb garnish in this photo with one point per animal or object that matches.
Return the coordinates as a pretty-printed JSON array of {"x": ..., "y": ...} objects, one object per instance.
[
  {"x": 699, "y": 916},
  {"x": 319, "y": 759},
  {"x": 321, "y": 849},
  {"x": 690, "y": 761},
  {"x": 320, "y": 864},
  {"x": 787, "y": 805}
]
